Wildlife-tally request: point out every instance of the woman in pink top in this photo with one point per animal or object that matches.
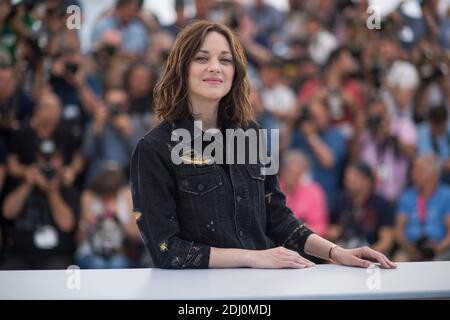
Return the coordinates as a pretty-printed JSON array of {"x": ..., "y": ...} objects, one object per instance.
[{"x": 303, "y": 196}]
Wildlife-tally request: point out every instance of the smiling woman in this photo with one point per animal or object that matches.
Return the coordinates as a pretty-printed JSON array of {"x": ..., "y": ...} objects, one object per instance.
[
  {"x": 208, "y": 59},
  {"x": 216, "y": 215}
]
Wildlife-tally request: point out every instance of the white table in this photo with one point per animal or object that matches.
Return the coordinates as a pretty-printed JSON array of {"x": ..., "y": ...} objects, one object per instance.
[{"x": 409, "y": 280}]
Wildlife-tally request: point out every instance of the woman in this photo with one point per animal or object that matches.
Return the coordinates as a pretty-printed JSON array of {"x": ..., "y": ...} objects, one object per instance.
[
  {"x": 203, "y": 214},
  {"x": 304, "y": 196}
]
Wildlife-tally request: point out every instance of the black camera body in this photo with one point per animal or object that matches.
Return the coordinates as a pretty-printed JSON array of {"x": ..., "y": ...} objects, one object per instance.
[
  {"x": 71, "y": 67},
  {"x": 6, "y": 116},
  {"x": 47, "y": 149},
  {"x": 425, "y": 247},
  {"x": 305, "y": 115},
  {"x": 115, "y": 109},
  {"x": 374, "y": 122},
  {"x": 48, "y": 171},
  {"x": 110, "y": 50}
]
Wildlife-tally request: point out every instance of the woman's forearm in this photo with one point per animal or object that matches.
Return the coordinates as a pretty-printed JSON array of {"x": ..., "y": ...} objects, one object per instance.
[
  {"x": 229, "y": 258},
  {"x": 318, "y": 247},
  {"x": 274, "y": 258}
]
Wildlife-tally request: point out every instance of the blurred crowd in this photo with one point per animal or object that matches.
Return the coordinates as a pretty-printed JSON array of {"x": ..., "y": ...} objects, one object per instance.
[{"x": 362, "y": 113}]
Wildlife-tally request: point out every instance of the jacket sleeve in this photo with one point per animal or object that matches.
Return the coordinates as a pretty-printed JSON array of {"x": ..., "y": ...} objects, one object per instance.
[
  {"x": 153, "y": 189},
  {"x": 283, "y": 228}
]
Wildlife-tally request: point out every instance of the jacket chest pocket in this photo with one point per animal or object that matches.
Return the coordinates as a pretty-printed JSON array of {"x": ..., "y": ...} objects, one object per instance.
[
  {"x": 200, "y": 183},
  {"x": 200, "y": 200}
]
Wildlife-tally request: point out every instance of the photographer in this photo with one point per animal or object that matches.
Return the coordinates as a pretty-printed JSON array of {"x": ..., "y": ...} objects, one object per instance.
[
  {"x": 278, "y": 99},
  {"x": 387, "y": 146},
  {"x": 25, "y": 38},
  {"x": 60, "y": 36},
  {"x": 106, "y": 64},
  {"x": 3, "y": 153},
  {"x": 402, "y": 81},
  {"x": 359, "y": 216},
  {"x": 15, "y": 23},
  {"x": 434, "y": 138},
  {"x": 324, "y": 145},
  {"x": 110, "y": 135},
  {"x": 69, "y": 81},
  {"x": 107, "y": 228},
  {"x": 125, "y": 20},
  {"x": 25, "y": 144},
  {"x": 423, "y": 215},
  {"x": 433, "y": 67},
  {"x": 42, "y": 215},
  {"x": 139, "y": 84},
  {"x": 344, "y": 95},
  {"x": 16, "y": 108}
]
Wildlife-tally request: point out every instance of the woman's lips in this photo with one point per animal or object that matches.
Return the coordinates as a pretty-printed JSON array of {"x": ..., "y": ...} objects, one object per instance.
[{"x": 213, "y": 81}]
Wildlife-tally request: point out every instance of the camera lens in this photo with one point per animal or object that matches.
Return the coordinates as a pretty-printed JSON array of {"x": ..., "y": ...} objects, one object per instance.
[
  {"x": 115, "y": 108},
  {"x": 374, "y": 122},
  {"x": 71, "y": 67},
  {"x": 110, "y": 50}
]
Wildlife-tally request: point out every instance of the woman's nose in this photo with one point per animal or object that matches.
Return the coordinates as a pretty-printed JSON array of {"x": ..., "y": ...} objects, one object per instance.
[{"x": 214, "y": 66}]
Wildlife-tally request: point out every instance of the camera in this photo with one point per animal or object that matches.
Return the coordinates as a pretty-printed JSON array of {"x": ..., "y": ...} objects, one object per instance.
[
  {"x": 110, "y": 50},
  {"x": 335, "y": 104},
  {"x": 425, "y": 247},
  {"x": 6, "y": 116},
  {"x": 376, "y": 72},
  {"x": 373, "y": 122},
  {"x": 71, "y": 67},
  {"x": 115, "y": 109},
  {"x": 164, "y": 55},
  {"x": 430, "y": 67},
  {"x": 305, "y": 115},
  {"x": 48, "y": 171},
  {"x": 429, "y": 72},
  {"x": 47, "y": 149},
  {"x": 36, "y": 44},
  {"x": 108, "y": 236}
]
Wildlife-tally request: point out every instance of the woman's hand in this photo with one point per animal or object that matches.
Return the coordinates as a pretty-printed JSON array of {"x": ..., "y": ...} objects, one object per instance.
[
  {"x": 277, "y": 258},
  {"x": 360, "y": 257}
]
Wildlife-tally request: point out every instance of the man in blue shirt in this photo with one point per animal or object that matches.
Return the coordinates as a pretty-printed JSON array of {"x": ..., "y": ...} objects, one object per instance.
[
  {"x": 325, "y": 146},
  {"x": 423, "y": 215},
  {"x": 125, "y": 20},
  {"x": 434, "y": 138}
]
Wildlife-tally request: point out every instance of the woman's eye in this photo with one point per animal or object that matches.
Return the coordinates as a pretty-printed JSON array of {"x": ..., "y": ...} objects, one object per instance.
[
  {"x": 227, "y": 61},
  {"x": 201, "y": 59}
]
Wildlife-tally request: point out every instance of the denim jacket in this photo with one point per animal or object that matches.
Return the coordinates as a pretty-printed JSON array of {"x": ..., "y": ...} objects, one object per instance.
[{"x": 184, "y": 210}]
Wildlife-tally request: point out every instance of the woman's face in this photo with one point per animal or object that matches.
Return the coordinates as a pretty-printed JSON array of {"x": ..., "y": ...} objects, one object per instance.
[
  {"x": 292, "y": 173},
  {"x": 211, "y": 71}
]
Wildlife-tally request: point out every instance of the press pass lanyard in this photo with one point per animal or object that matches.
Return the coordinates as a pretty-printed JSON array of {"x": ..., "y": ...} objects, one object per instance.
[{"x": 421, "y": 209}]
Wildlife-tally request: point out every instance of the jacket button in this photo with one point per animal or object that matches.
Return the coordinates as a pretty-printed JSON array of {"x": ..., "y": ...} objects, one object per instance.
[
  {"x": 241, "y": 233},
  {"x": 200, "y": 187},
  {"x": 238, "y": 198}
]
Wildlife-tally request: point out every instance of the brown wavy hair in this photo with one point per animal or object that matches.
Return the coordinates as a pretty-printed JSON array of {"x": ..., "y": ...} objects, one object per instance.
[{"x": 171, "y": 91}]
